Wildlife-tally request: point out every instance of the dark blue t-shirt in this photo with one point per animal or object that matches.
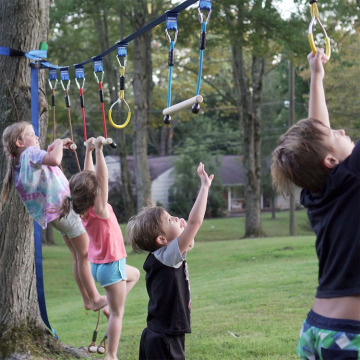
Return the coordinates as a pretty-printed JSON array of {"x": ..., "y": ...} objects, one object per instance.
[{"x": 334, "y": 215}]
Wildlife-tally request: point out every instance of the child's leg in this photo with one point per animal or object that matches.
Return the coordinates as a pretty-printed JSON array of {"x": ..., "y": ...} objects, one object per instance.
[
  {"x": 81, "y": 245},
  {"x": 133, "y": 275},
  {"x": 84, "y": 294},
  {"x": 116, "y": 295}
]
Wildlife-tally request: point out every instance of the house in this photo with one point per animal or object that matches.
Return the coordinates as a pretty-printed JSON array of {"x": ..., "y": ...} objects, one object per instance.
[{"x": 162, "y": 176}]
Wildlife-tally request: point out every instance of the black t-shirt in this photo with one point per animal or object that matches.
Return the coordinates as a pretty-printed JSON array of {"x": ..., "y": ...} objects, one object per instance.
[
  {"x": 169, "y": 296},
  {"x": 334, "y": 214}
]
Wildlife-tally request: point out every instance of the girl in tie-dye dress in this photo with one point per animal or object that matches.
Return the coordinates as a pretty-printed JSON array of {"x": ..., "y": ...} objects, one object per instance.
[{"x": 41, "y": 186}]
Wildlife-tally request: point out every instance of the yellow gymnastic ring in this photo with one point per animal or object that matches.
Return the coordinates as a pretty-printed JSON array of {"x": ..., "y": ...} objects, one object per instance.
[
  {"x": 119, "y": 126},
  {"x": 311, "y": 38}
]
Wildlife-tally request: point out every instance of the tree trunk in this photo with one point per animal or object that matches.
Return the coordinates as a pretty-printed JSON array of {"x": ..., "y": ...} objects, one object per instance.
[
  {"x": 143, "y": 86},
  {"x": 251, "y": 118},
  {"x": 23, "y": 25}
]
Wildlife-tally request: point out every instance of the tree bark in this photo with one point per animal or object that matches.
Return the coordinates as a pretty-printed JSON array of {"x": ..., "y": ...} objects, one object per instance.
[
  {"x": 248, "y": 92},
  {"x": 143, "y": 87},
  {"x": 23, "y": 25}
]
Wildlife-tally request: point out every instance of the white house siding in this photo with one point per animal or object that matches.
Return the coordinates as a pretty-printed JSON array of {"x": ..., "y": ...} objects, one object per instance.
[
  {"x": 282, "y": 203},
  {"x": 160, "y": 188}
]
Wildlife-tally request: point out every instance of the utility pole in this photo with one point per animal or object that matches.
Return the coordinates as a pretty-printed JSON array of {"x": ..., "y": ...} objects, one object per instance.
[{"x": 291, "y": 122}]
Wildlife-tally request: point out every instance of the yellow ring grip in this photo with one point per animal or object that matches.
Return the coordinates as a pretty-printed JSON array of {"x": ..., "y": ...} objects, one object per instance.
[
  {"x": 119, "y": 126},
  {"x": 313, "y": 46}
]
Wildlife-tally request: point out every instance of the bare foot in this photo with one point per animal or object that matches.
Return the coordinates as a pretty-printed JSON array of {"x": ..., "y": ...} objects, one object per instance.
[
  {"x": 100, "y": 303},
  {"x": 106, "y": 312}
]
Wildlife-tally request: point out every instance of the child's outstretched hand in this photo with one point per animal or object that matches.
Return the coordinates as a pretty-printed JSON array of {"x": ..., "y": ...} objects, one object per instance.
[
  {"x": 90, "y": 144},
  {"x": 317, "y": 62},
  {"x": 65, "y": 143},
  {"x": 205, "y": 179},
  {"x": 99, "y": 142}
]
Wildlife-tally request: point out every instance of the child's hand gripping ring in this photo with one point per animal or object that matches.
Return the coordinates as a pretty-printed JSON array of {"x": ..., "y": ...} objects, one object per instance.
[{"x": 128, "y": 116}]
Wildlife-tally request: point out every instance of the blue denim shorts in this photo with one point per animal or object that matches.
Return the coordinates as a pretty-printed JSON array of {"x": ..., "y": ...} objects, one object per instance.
[
  {"x": 109, "y": 273},
  {"x": 323, "y": 338}
]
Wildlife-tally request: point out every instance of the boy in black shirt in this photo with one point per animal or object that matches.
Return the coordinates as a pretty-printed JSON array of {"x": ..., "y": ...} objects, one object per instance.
[
  {"x": 326, "y": 164},
  {"x": 168, "y": 239}
]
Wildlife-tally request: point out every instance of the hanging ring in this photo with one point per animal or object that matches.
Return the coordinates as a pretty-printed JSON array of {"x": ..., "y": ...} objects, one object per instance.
[
  {"x": 128, "y": 116},
  {"x": 311, "y": 37}
]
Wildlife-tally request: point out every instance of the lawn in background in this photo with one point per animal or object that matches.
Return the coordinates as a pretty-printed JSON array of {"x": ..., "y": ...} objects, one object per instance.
[{"x": 249, "y": 296}]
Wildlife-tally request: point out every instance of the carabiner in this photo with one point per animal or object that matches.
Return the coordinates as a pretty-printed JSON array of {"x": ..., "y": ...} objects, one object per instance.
[
  {"x": 128, "y": 116},
  {"x": 201, "y": 16},
  {"x": 96, "y": 77},
  {"x": 169, "y": 37},
  {"x": 52, "y": 87}
]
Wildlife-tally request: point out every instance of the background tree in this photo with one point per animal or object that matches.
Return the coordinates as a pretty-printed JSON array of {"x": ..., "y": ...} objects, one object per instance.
[{"x": 23, "y": 25}]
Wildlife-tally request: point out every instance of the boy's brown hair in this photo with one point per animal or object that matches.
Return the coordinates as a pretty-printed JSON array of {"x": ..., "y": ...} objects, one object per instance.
[
  {"x": 143, "y": 228},
  {"x": 299, "y": 157}
]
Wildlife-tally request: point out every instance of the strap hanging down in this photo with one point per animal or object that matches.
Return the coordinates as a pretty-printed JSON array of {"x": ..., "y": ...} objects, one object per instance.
[
  {"x": 65, "y": 79},
  {"x": 171, "y": 25},
  {"x": 37, "y": 228},
  {"x": 98, "y": 68},
  {"x": 121, "y": 56},
  {"x": 195, "y": 101},
  {"x": 80, "y": 76}
]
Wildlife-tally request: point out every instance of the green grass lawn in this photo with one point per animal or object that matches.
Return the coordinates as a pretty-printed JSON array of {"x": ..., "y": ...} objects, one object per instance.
[{"x": 249, "y": 297}]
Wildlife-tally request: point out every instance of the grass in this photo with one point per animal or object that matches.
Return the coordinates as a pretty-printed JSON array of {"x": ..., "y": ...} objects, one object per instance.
[{"x": 249, "y": 297}]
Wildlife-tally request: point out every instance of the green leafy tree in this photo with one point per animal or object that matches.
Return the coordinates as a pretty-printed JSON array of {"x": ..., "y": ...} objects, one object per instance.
[{"x": 185, "y": 189}]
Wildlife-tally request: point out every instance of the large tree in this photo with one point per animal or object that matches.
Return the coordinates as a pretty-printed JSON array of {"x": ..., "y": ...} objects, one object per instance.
[{"x": 23, "y": 25}]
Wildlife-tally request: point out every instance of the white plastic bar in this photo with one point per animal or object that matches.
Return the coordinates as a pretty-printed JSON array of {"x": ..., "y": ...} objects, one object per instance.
[
  {"x": 107, "y": 141},
  {"x": 183, "y": 105}
]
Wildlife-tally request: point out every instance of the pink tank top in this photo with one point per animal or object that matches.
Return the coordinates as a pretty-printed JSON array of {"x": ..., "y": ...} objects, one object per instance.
[{"x": 106, "y": 239}]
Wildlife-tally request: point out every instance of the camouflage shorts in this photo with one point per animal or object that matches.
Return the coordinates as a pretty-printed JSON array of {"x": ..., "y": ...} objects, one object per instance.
[{"x": 329, "y": 339}]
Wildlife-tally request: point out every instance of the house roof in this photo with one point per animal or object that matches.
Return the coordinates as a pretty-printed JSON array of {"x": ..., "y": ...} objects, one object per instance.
[
  {"x": 231, "y": 167},
  {"x": 232, "y": 170}
]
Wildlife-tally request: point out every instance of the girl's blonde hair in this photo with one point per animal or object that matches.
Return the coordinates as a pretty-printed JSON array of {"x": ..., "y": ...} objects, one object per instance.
[
  {"x": 10, "y": 135},
  {"x": 143, "y": 228},
  {"x": 299, "y": 157},
  {"x": 83, "y": 190}
]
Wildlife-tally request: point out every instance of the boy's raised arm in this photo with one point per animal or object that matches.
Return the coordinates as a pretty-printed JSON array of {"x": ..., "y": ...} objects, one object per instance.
[
  {"x": 197, "y": 212},
  {"x": 317, "y": 102}
]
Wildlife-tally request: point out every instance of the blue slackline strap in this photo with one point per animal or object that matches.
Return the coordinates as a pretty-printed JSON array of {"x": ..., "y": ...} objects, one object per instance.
[
  {"x": 134, "y": 35},
  {"x": 41, "y": 54},
  {"x": 33, "y": 54},
  {"x": 37, "y": 227}
]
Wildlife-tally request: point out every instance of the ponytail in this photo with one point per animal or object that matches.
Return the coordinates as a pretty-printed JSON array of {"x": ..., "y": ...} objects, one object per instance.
[
  {"x": 10, "y": 135},
  {"x": 65, "y": 207}
]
